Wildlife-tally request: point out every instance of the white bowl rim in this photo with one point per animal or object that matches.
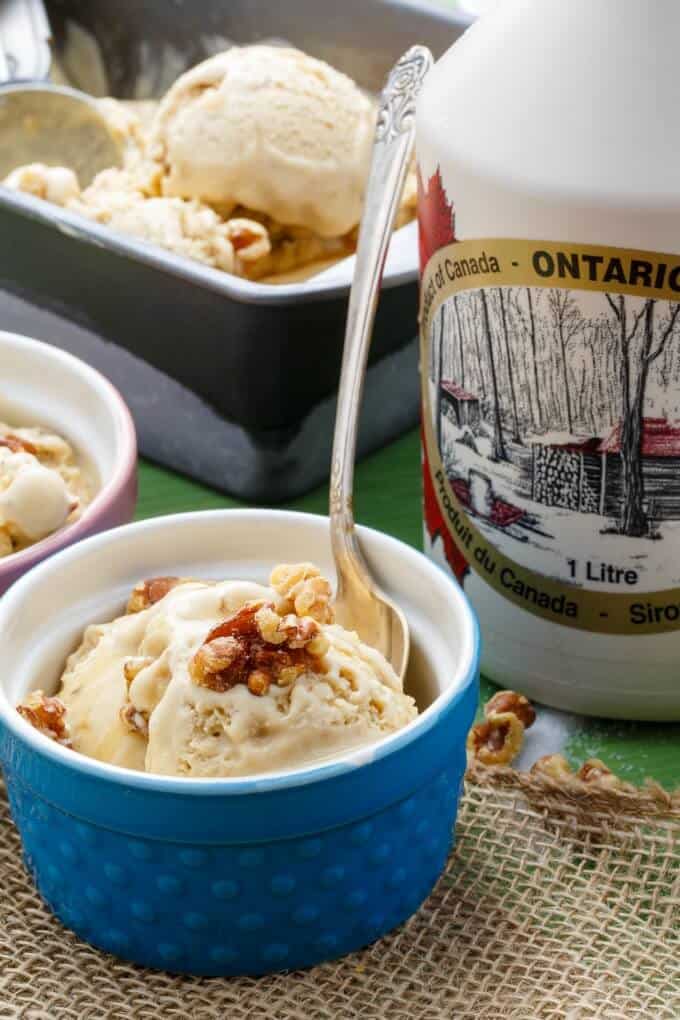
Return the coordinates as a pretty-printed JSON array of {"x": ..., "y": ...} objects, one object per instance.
[
  {"x": 126, "y": 457},
  {"x": 466, "y": 674}
]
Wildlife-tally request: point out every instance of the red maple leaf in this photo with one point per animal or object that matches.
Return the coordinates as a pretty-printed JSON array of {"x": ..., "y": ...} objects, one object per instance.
[
  {"x": 436, "y": 217},
  {"x": 436, "y": 526}
]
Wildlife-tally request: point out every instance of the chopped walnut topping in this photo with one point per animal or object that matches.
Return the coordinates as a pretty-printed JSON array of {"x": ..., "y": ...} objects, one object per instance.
[
  {"x": 134, "y": 720},
  {"x": 258, "y": 683},
  {"x": 17, "y": 445},
  {"x": 497, "y": 740},
  {"x": 133, "y": 667},
  {"x": 249, "y": 239},
  {"x": 510, "y": 701},
  {"x": 306, "y": 591},
  {"x": 553, "y": 766},
  {"x": 295, "y": 631},
  {"x": 239, "y": 651},
  {"x": 217, "y": 655},
  {"x": 47, "y": 715},
  {"x": 287, "y": 676},
  {"x": 268, "y": 621},
  {"x": 147, "y": 593}
]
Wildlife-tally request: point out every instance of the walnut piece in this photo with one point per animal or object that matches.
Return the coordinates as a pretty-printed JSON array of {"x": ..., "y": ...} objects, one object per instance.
[
  {"x": 249, "y": 238},
  {"x": 304, "y": 589},
  {"x": 133, "y": 667},
  {"x": 595, "y": 773},
  {"x": 552, "y": 766},
  {"x": 17, "y": 445},
  {"x": 593, "y": 770},
  {"x": 134, "y": 720},
  {"x": 258, "y": 683},
  {"x": 148, "y": 593},
  {"x": 292, "y": 630},
  {"x": 497, "y": 740},
  {"x": 47, "y": 715},
  {"x": 257, "y": 647},
  {"x": 510, "y": 701}
]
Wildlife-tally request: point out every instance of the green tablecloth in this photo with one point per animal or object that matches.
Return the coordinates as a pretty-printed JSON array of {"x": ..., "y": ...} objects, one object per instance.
[{"x": 388, "y": 498}]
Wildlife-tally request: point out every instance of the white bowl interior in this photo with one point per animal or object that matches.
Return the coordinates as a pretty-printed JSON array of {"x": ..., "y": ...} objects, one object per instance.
[
  {"x": 43, "y": 616},
  {"x": 40, "y": 385}
]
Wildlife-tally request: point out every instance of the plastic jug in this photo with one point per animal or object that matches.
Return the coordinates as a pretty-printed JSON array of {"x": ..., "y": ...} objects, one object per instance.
[{"x": 549, "y": 215}]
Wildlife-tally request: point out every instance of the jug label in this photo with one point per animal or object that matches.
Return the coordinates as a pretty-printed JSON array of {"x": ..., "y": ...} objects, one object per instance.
[{"x": 551, "y": 419}]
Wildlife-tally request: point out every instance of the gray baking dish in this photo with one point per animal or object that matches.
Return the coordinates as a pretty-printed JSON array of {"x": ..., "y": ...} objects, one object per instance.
[{"x": 229, "y": 381}]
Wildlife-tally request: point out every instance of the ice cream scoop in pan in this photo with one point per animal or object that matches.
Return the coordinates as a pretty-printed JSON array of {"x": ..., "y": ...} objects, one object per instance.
[{"x": 40, "y": 122}]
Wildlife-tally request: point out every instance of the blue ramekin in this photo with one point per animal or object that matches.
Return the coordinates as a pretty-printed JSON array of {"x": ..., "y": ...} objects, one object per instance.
[{"x": 244, "y": 876}]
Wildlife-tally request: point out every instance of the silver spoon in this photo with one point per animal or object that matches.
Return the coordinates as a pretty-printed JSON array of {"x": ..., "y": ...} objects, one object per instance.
[
  {"x": 360, "y": 603},
  {"x": 40, "y": 122}
]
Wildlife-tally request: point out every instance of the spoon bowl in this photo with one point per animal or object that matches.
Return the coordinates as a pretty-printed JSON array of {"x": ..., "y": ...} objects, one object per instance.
[{"x": 56, "y": 125}]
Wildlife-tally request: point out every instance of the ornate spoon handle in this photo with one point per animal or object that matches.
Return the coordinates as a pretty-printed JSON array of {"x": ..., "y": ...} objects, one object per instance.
[
  {"x": 395, "y": 134},
  {"x": 394, "y": 139}
]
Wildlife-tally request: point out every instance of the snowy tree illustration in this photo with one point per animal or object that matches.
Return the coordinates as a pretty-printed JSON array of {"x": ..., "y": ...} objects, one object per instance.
[
  {"x": 567, "y": 322},
  {"x": 473, "y": 318},
  {"x": 636, "y": 359},
  {"x": 499, "y": 451},
  {"x": 461, "y": 352},
  {"x": 503, "y": 322},
  {"x": 524, "y": 319},
  {"x": 437, "y": 369}
]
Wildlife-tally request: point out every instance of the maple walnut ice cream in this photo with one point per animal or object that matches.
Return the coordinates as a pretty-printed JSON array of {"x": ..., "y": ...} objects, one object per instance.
[
  {"x": 204, "y": 679},
  {"x": 255, "y": 162},
  {"x": 42, "y": 486}
]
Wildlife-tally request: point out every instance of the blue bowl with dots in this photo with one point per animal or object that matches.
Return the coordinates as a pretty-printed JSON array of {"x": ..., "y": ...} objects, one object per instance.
[{"x": 235, "y": 876}]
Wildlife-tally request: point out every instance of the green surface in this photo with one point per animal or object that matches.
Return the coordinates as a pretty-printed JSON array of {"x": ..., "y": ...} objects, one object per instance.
[
  {"x": 388, "y": 498},
  {"x": 387, "y": 492}
]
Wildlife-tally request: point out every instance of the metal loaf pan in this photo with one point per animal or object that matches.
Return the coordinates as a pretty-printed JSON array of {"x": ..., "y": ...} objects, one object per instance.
[{"x": 229, "y": 381}]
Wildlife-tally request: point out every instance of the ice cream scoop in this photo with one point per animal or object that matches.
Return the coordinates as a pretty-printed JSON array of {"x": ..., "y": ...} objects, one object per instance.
[
  {"x": 39, "y": 122},
  {"x": 272, "y": 129},
  {"x": 55, "y": 125},
  {"x": 228, "y": 679},
  {"x": 36, "y": 500}
]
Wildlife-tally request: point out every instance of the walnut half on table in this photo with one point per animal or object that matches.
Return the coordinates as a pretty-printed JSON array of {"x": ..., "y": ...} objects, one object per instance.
[{"x": 499, "y": 739}]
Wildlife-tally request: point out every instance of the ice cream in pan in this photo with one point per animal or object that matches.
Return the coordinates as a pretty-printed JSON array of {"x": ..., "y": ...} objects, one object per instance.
[
  {"x": 223, "y": 679},
  {"x": 254, "y": 162}
]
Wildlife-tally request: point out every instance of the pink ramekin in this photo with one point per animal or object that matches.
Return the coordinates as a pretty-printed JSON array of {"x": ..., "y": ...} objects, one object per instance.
[{"x": 42, "y": 385}]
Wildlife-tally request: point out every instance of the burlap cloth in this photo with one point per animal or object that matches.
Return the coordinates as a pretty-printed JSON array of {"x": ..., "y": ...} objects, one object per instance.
[{"x": 555, "y": 904}]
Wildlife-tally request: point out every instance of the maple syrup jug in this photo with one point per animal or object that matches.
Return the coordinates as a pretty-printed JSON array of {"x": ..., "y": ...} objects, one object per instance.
[{"x": 549, "y": 213}]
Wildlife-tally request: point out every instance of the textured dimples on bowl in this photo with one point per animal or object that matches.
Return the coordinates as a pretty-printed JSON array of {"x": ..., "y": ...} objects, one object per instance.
[
  {"x": 242, "y": 909},
  {"x": 240, "y": 876},
  {"x": 41, "y": 385}
]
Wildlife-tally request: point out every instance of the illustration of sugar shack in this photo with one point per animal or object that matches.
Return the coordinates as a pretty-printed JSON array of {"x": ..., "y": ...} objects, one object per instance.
[
  {"x": 586, "y": 475},
  {"x": 461, "y": 407}
]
